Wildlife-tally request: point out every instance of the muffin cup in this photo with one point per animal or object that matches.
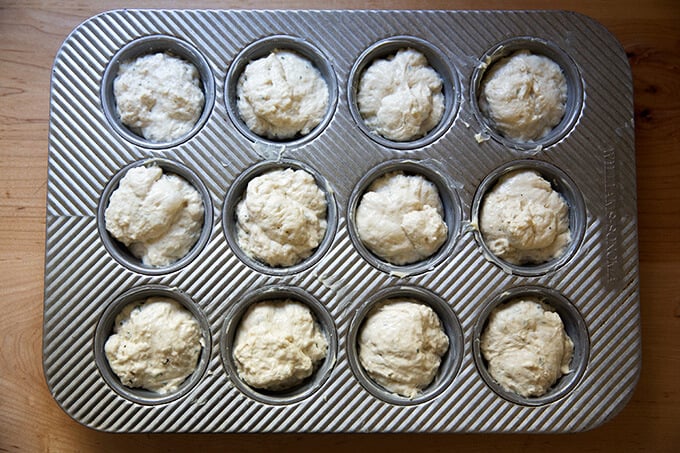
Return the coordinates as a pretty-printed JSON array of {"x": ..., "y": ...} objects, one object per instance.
[
  {"x": 450, "y": 361},
  {"x": 104, "y": 329},
  {"x": 436, "y": 60},
  {"x": 235, "y": 194},
  {"x": 323, "y": 318},
  {"x": 574, "y": 325},
  {"x": 120, "y": 252},
  {"x": 149, "y": 45},
  {"x": 571, "y": 73},
  {"x": 562, "y": 184},
  {"x": 261, "y": 49},
  {"x": 450, "y": 203}
]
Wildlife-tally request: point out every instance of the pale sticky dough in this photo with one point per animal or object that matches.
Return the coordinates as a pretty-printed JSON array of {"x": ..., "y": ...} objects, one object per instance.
[
  {"x": 526, "y": 347},
  {"x": 157, "y": 216},
  {"x": 401, "y": 97},
  {"x": 281, "y": 95},
  {"x": 524, "y": 95},
  {"x": 400, "y": 218},
  {"x": 155, "y": 345},
  {"x": 523, "y": 220},
  {"x": 158, "y": 95},
  {"x": 281, "y": 219},
  {"x": 278, "y": 344},
  {"x": 400, "y": 345}
]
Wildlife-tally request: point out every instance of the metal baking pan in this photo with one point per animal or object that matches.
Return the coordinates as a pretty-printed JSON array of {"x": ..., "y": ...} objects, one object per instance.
[{"x": 590, "y": 156}]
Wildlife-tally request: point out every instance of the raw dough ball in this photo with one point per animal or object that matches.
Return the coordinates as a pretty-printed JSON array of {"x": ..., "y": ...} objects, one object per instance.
[
  {"x": 524, "y": 95},
  {"x": 400, "y": 344},
  {"x": 155, "y": 345},
  {"x": 282, "y": 95},
  {"x": 526, "y": 347},
  {"x": 159, "y": 96},
  {"x": 401, "y": 97},
  {"x": 523, "y": 220},
  {"x": 157, "y": 216},
  {"x": 281, "y": 219},
  {"x": 278, "y": 344},
  {"x": 401, "y": 219}
]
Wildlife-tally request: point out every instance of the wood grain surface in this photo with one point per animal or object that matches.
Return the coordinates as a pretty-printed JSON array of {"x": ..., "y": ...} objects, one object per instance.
[{"x": 30, "y": 420}]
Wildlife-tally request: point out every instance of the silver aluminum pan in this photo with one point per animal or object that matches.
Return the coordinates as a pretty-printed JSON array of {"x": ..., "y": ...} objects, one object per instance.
[{"x": 594, "y": 148}]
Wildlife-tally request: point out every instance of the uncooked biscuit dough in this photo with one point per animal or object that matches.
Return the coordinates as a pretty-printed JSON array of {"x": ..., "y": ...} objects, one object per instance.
[
  {"x": 400, "y": 218},
  {"x": 278, "y": 344},
  {"x": 159, "y": 96},
  {"x": 400, "y": 345},
  {"x": 282, "y": 95},
  {"x": 401, "y": 97},
  {"x": 524, "y": 95},
  {"x": 155, "y": 345},
  {"x": 523, "y": 220},
  {"x": 281, "y": 219},
  {"x": 526, "y": 347},
  {"x": 157, "y": 216}
]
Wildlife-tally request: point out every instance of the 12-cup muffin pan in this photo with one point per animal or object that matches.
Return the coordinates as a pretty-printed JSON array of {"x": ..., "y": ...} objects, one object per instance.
[{"x": 589, "y": 158}]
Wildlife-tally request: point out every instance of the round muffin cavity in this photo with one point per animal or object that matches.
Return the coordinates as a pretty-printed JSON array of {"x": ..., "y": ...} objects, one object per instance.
[
  {"x": 523, "y": 220},
  {"x": 157, "y": 216},
  {"x": 282, "y": 96},
  {"x": 155, "y": 345},
  {"x": 526, "y": 346},
  {"x": 400, "y": 345},
  {"x": 400, "y": 218},
  {"x": 281, "y": 218},
  {"x": 278, "y": 344},
  {"x": 400, "y": 97},
  {"x": 524, "y": 95},
  {"x": 158, "y": 96}
]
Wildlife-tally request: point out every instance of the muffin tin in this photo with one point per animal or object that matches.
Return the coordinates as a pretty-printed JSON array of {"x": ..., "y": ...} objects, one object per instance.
[{"x": 589, "y": 158}]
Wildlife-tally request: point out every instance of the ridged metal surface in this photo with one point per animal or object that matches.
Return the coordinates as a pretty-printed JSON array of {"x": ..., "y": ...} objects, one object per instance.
[{"x": 85, "y": 152}]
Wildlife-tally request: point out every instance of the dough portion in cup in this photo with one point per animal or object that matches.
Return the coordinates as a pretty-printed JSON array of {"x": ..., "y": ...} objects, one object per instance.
[
  {"x": 400, "y": 218},
  {"x": 400, "y": 97},
  {"x": 281, "y": 219},
  {"x": 157, "y": 216},
  {"x": 523, "y": 220},
  {"x": 400, "y": 345},
  {"x": 282, "y": 96},
  {"x": 158, "y": 96},
  {"x": 524, "y": 96},
  {"x": 155, "y": 345},
  {"x": 278, "y": 345},
  {"x": 526, "y": 347}
]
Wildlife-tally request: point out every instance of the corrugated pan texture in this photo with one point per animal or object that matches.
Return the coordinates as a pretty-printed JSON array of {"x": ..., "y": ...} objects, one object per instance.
[{"x": 601, "y": 280}]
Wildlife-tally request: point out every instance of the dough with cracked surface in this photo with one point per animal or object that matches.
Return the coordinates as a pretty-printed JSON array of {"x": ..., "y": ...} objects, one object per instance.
[
  {"x": 524, "y": 95},
  {"x": 400, "y": 218},
  {"x": 278, "y": 344},
  {"x": 526, "y": 347},
  {"x": 159, "y": 96},
  {"x": 157, "y": 216},
  {"x": 281, "y": 219},
  {"x": 155, "y": 345},
  {"x": 400, "y": 345},
  {"x": 523, "y": 220},
  {"x": 282, "y": 95},
  {"x": 401, "y": 97}
]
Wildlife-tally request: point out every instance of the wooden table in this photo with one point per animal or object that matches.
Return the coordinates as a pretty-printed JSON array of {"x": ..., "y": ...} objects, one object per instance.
[{"x": 30, "y": 420}]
